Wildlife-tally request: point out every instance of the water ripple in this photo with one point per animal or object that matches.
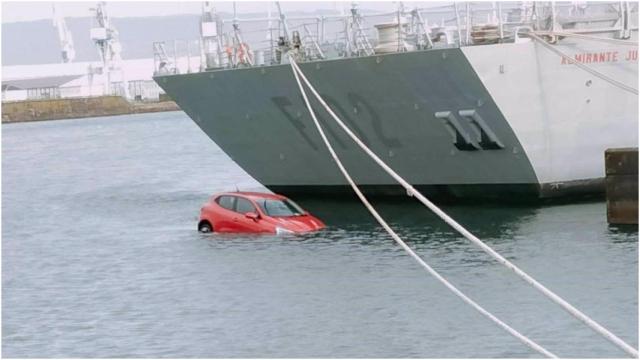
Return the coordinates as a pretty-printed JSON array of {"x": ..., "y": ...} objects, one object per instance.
[{"x": 101, "y": 258}]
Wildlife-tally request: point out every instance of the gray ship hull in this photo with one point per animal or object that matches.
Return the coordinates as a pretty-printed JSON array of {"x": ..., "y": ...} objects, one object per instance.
[{"x": 426, "y": 113}]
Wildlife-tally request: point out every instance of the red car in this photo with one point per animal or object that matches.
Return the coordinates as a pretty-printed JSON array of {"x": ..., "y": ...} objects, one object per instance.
[{"x": 250, "y": 212}]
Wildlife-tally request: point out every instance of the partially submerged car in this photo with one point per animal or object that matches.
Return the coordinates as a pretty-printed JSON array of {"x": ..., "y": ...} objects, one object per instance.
[{"x": 253, "y": 212}]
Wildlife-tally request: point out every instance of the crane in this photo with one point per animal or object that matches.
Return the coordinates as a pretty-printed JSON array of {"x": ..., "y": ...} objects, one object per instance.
[
  {"x": 105, "y": 37},
  {"x": 68, "y": 52}
]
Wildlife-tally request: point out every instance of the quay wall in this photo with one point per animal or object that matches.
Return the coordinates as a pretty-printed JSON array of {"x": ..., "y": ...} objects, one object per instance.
[
  {"x": 70, "y": 108},
  {"x": 621, "y": 167}
]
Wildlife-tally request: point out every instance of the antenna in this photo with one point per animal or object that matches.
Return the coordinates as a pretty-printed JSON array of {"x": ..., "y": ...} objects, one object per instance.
[
  {"x": 235, "y": 14},
  {"x": 269, "y": 23},
  {"x": 283, "y": 20},
  {"x": 210, "y": 37}
]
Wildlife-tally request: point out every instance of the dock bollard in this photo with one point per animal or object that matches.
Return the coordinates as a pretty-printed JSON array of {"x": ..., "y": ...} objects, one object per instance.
[{"x": 621, "y": 166}]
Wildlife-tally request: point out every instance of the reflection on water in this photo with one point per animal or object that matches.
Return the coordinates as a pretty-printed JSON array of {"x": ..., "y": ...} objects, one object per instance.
[
  {"x": 624, "y": 231},
  {"x": 409, "y": 213},
  {"x": 113, "y": 265}
]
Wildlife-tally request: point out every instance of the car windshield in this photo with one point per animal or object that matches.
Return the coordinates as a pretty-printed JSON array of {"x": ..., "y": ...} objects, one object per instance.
[{"x": 280, "y": 207}]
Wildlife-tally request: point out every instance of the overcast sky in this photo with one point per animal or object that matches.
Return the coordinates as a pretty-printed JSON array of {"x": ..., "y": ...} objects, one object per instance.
[{"x": 13, "y": 11}]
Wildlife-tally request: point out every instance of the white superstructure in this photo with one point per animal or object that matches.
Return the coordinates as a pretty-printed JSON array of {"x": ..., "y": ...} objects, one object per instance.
[{"x": 563, "y": 116}]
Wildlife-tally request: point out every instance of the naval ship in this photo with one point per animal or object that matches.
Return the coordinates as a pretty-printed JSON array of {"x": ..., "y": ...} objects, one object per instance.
[{"x": 468, "y": 100}]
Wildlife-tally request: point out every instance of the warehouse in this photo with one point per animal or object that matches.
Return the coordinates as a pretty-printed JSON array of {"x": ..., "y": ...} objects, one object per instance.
[{"x": 50, "y": 87}]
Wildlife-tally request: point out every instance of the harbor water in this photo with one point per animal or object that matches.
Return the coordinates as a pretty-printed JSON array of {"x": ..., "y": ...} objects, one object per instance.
[{"x": 101, "y": 258}]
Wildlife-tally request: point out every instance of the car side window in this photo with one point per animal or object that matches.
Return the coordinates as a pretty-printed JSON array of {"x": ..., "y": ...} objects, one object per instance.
[
  {"x": 244, "y": 206},
  {"x": 227, "y": 202}
]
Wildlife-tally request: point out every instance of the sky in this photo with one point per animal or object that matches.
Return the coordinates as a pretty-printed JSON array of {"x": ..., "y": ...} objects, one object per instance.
[{"x": 15, "y": 11}]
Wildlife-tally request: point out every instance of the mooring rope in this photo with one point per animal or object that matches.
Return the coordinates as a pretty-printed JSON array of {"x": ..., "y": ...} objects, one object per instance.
[
  {"x": 582, "y": 66},
  {"x": 411, "y": 191},
  {"x": 588, "y": 37},
  {"x": 399, "y": 240}
]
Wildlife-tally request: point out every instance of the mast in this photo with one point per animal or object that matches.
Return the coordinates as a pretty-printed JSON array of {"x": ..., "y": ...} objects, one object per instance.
[
  {"x": 242, "y": 53},
  {"x": 210, "y": 41},
  {"x": 283, "y": 21}
]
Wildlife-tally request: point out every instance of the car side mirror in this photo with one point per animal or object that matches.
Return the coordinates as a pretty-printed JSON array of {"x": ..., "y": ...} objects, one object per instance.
[{"x": 252, "y": 215}]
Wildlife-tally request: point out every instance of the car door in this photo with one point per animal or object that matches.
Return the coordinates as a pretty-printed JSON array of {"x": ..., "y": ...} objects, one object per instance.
[
  {"x": 243, "y": 223},
  {"x": 224, "y": 214}
]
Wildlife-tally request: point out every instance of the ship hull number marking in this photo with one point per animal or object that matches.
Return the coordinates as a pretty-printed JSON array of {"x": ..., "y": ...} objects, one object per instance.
[
  {"x": 481, "y": 136},
  {"x": 359, "y": 104},
  {"x": 471, "y": 133}
]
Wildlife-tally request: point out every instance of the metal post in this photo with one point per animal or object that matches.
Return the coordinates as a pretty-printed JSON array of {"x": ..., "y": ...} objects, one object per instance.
[
  {"x": 270, "y": 26},
  {"x": 272, "y": 51},
  {"x": 235, "y": 35},
  {"x": 399, "y": 30},
  {"x": 313, "y": 41},
  {"x": 468, "y": 21},
  {"x": 279, "y": 28},
  {"x": 427, "y": 33},
  {"x": 493, "y": 12},
  {"x": 455, "y": 8},
  {"x": 553, "y": 15},
  {"x": 235, "y": 17},
  {"x": 621, "y": 19},
  {"x": 236, "y": 45},
  {"x": 625, "y": 21},
  {"x": 347, "y": 37},
  {"x": 219, "y": 40},
  {"x": 500, "y": 24},
  {"x": 175, "y": 54},
  {"x": 188, "y": 57},
  {"x": 200, "y": 52},
  {"x": 283, "y": 21}
]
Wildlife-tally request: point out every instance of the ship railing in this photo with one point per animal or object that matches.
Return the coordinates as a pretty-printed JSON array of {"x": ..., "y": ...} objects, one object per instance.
[
  {"x": 473, "y": 18},
  {"x": 456, "y": 24},
  {"x": 181, "y": 57}
]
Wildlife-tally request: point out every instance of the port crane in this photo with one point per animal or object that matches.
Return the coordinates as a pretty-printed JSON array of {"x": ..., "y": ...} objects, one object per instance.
[
  {"x": 105, "y": 37},
  {"x": 68, "y": 52}
]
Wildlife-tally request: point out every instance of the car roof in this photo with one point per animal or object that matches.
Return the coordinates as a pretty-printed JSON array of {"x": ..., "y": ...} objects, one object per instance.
[{"x": 253, "y": 195}]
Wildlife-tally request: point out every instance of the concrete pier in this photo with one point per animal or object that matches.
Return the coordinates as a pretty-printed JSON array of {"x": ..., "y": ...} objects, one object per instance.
[{"x": 621, "y": 167}]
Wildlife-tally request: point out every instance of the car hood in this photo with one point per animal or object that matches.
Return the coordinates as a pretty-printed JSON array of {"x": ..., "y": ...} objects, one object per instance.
[{"x": 299, "y": 223}]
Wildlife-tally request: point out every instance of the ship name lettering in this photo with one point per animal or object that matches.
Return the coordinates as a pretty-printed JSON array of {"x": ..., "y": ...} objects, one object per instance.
[
  {"x": 376, "y": 122},
  {"x": 282, "y": 103},
  {"x": 599, "y": 57},
  {"x": 632, "y": 55},
  {"x": 333, "y": 104}
]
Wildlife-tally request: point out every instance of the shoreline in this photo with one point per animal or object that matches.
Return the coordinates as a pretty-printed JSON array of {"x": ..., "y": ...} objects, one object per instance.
[{"x": 74, "y": 108}]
